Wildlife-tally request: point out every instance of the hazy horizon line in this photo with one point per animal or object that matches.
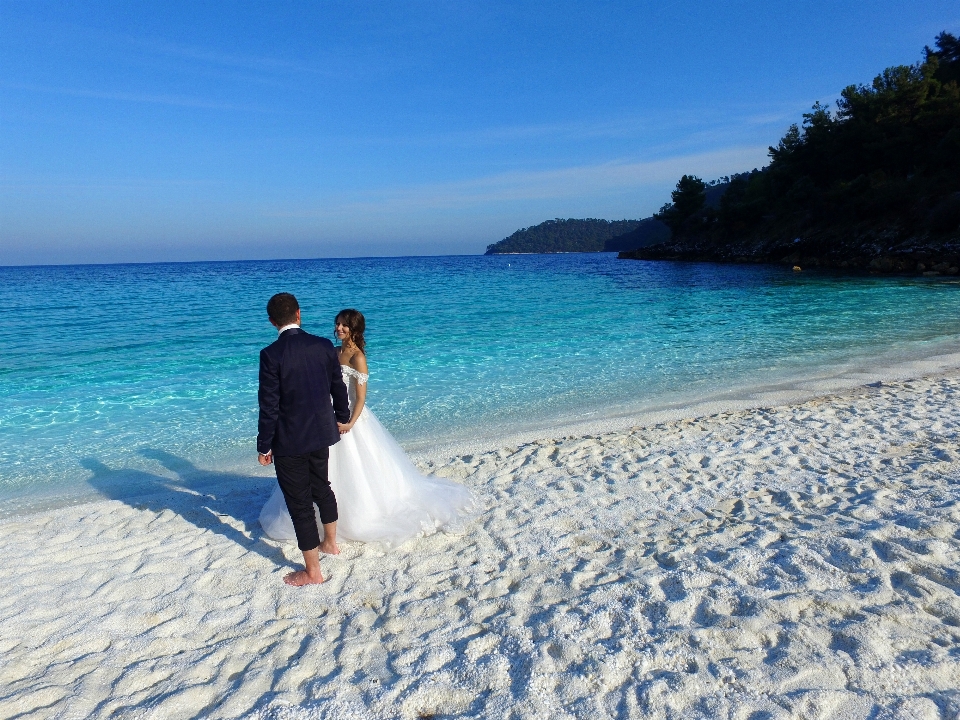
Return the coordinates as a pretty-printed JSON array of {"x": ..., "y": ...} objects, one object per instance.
[{"x": 292, "y": 259}]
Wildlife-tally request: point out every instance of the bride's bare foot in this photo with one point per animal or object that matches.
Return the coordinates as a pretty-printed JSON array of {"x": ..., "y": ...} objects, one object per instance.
[
  {"x": 302, "y": 577},
  {"x": 329, "y": 548}
]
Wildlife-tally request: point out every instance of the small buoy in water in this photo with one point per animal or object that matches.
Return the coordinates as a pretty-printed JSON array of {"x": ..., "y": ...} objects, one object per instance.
[{"x": 796, "y": 268}]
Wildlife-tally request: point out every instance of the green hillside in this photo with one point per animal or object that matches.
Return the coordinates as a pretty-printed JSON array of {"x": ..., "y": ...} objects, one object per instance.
[
  {"x": 873, "y": 183},
  {"x": 556, "y": 236}
]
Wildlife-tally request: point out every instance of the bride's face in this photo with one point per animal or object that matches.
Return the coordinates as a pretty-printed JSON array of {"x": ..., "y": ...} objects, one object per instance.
[{"x": 341, "y": 331}]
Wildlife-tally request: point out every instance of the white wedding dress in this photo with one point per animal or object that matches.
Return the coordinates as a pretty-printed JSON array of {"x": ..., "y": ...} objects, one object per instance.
[{"x": 381, "y": 496}]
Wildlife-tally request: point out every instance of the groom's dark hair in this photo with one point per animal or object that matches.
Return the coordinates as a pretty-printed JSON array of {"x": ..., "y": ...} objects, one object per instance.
[{"x": 282, "y": 309}]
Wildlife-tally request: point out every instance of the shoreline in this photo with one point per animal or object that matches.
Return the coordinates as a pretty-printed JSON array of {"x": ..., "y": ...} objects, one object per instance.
[
  {"x": 943, "y": 359},
  {"x": 801, "y": 560}
]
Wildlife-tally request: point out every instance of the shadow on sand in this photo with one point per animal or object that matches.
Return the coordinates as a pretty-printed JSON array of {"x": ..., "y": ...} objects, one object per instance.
[{"x": 227, "y": 504}]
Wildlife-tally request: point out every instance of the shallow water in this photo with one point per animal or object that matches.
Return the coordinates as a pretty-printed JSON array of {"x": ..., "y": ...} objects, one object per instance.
[{"x": 106, "y": 368}]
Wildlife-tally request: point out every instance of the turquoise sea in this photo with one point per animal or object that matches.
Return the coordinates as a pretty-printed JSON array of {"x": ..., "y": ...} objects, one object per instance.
[{"x": 105, "y": 369}]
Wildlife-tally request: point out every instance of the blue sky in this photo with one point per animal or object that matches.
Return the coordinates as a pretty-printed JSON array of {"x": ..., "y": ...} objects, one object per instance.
[{"x": 234, "y": 130}]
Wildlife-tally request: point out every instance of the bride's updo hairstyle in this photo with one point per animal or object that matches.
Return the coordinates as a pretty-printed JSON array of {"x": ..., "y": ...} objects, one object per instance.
[{"x": 353, "y": 319}]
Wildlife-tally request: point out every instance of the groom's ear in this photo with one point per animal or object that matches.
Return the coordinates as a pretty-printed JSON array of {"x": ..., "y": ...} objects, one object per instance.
[{"x": 298, "y": 316}]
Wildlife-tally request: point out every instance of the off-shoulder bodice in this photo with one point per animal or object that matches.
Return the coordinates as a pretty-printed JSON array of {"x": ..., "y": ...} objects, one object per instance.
[{"x": 351, "y": 379}]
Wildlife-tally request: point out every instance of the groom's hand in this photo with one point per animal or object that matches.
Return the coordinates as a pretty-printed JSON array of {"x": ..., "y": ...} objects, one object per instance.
[
  {"x": 265, "y": 458},
  {"x": 344, "y": 428}
]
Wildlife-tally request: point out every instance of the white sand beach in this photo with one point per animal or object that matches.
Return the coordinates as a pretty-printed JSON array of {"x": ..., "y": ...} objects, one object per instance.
[{"x": 800, "y": 561}]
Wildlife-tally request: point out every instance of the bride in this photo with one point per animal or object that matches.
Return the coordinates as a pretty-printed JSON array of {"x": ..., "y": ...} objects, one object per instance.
[{"x": 381, "y": 496}]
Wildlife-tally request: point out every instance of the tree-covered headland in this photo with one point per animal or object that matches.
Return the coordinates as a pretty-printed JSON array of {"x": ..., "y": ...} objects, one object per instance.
[
  {"x": 555, "y": 236},
  {"x": 873, "y": 183}
]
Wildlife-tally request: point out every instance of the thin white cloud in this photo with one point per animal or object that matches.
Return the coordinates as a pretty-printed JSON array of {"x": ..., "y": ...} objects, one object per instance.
[
  {"x": 699, "y": 125},
  {"x": 62, "y": 184},
  {"x": 263, "y": 66},
  {"x": 213, "y": 57},
  {"x": 623, "y": 127},
  {"x": 174, "y": 100},
  {"x": 538, "y": 185}
]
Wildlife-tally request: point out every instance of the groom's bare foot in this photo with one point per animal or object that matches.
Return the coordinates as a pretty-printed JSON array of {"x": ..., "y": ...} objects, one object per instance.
[
  {"x": 302, "y": 577},
  {"x": 329, "y": 548}
]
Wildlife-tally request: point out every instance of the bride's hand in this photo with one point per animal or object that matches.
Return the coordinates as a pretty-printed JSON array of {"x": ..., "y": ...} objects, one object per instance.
[{"x": 344, "y": 427}]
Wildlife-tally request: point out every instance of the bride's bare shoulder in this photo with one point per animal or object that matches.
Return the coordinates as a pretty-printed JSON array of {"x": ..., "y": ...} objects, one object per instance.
[{"x": 358, "y": 361}]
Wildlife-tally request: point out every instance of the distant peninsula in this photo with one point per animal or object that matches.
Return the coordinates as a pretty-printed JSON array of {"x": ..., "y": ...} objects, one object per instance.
[
  {"x": 872, "y": 185},
  {"x": 588, "y": 235}
]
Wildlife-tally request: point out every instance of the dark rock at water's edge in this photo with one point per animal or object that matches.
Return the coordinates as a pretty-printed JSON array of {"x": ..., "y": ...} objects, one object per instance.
[
  {"x": 910, "y": 241},
  {"x": 873, "y": 252}
]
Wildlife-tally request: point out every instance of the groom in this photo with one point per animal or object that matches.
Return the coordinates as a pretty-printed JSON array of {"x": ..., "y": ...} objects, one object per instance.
[{"x": 299, "y": 376}]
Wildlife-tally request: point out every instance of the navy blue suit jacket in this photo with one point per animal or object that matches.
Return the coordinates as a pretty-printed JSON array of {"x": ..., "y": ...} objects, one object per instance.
[{"x": 302, "y": 395}]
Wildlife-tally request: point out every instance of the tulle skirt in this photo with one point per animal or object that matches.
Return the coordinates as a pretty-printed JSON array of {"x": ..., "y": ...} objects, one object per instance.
[{"x": 381, "y": 496}]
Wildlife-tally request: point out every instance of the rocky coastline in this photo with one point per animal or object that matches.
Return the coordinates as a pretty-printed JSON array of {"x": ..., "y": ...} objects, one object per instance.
[{"x": 874, "y": 252}]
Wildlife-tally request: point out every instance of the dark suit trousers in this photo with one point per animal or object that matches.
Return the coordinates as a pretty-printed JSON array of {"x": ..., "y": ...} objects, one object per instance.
[{"x": 303, "y": 481}]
